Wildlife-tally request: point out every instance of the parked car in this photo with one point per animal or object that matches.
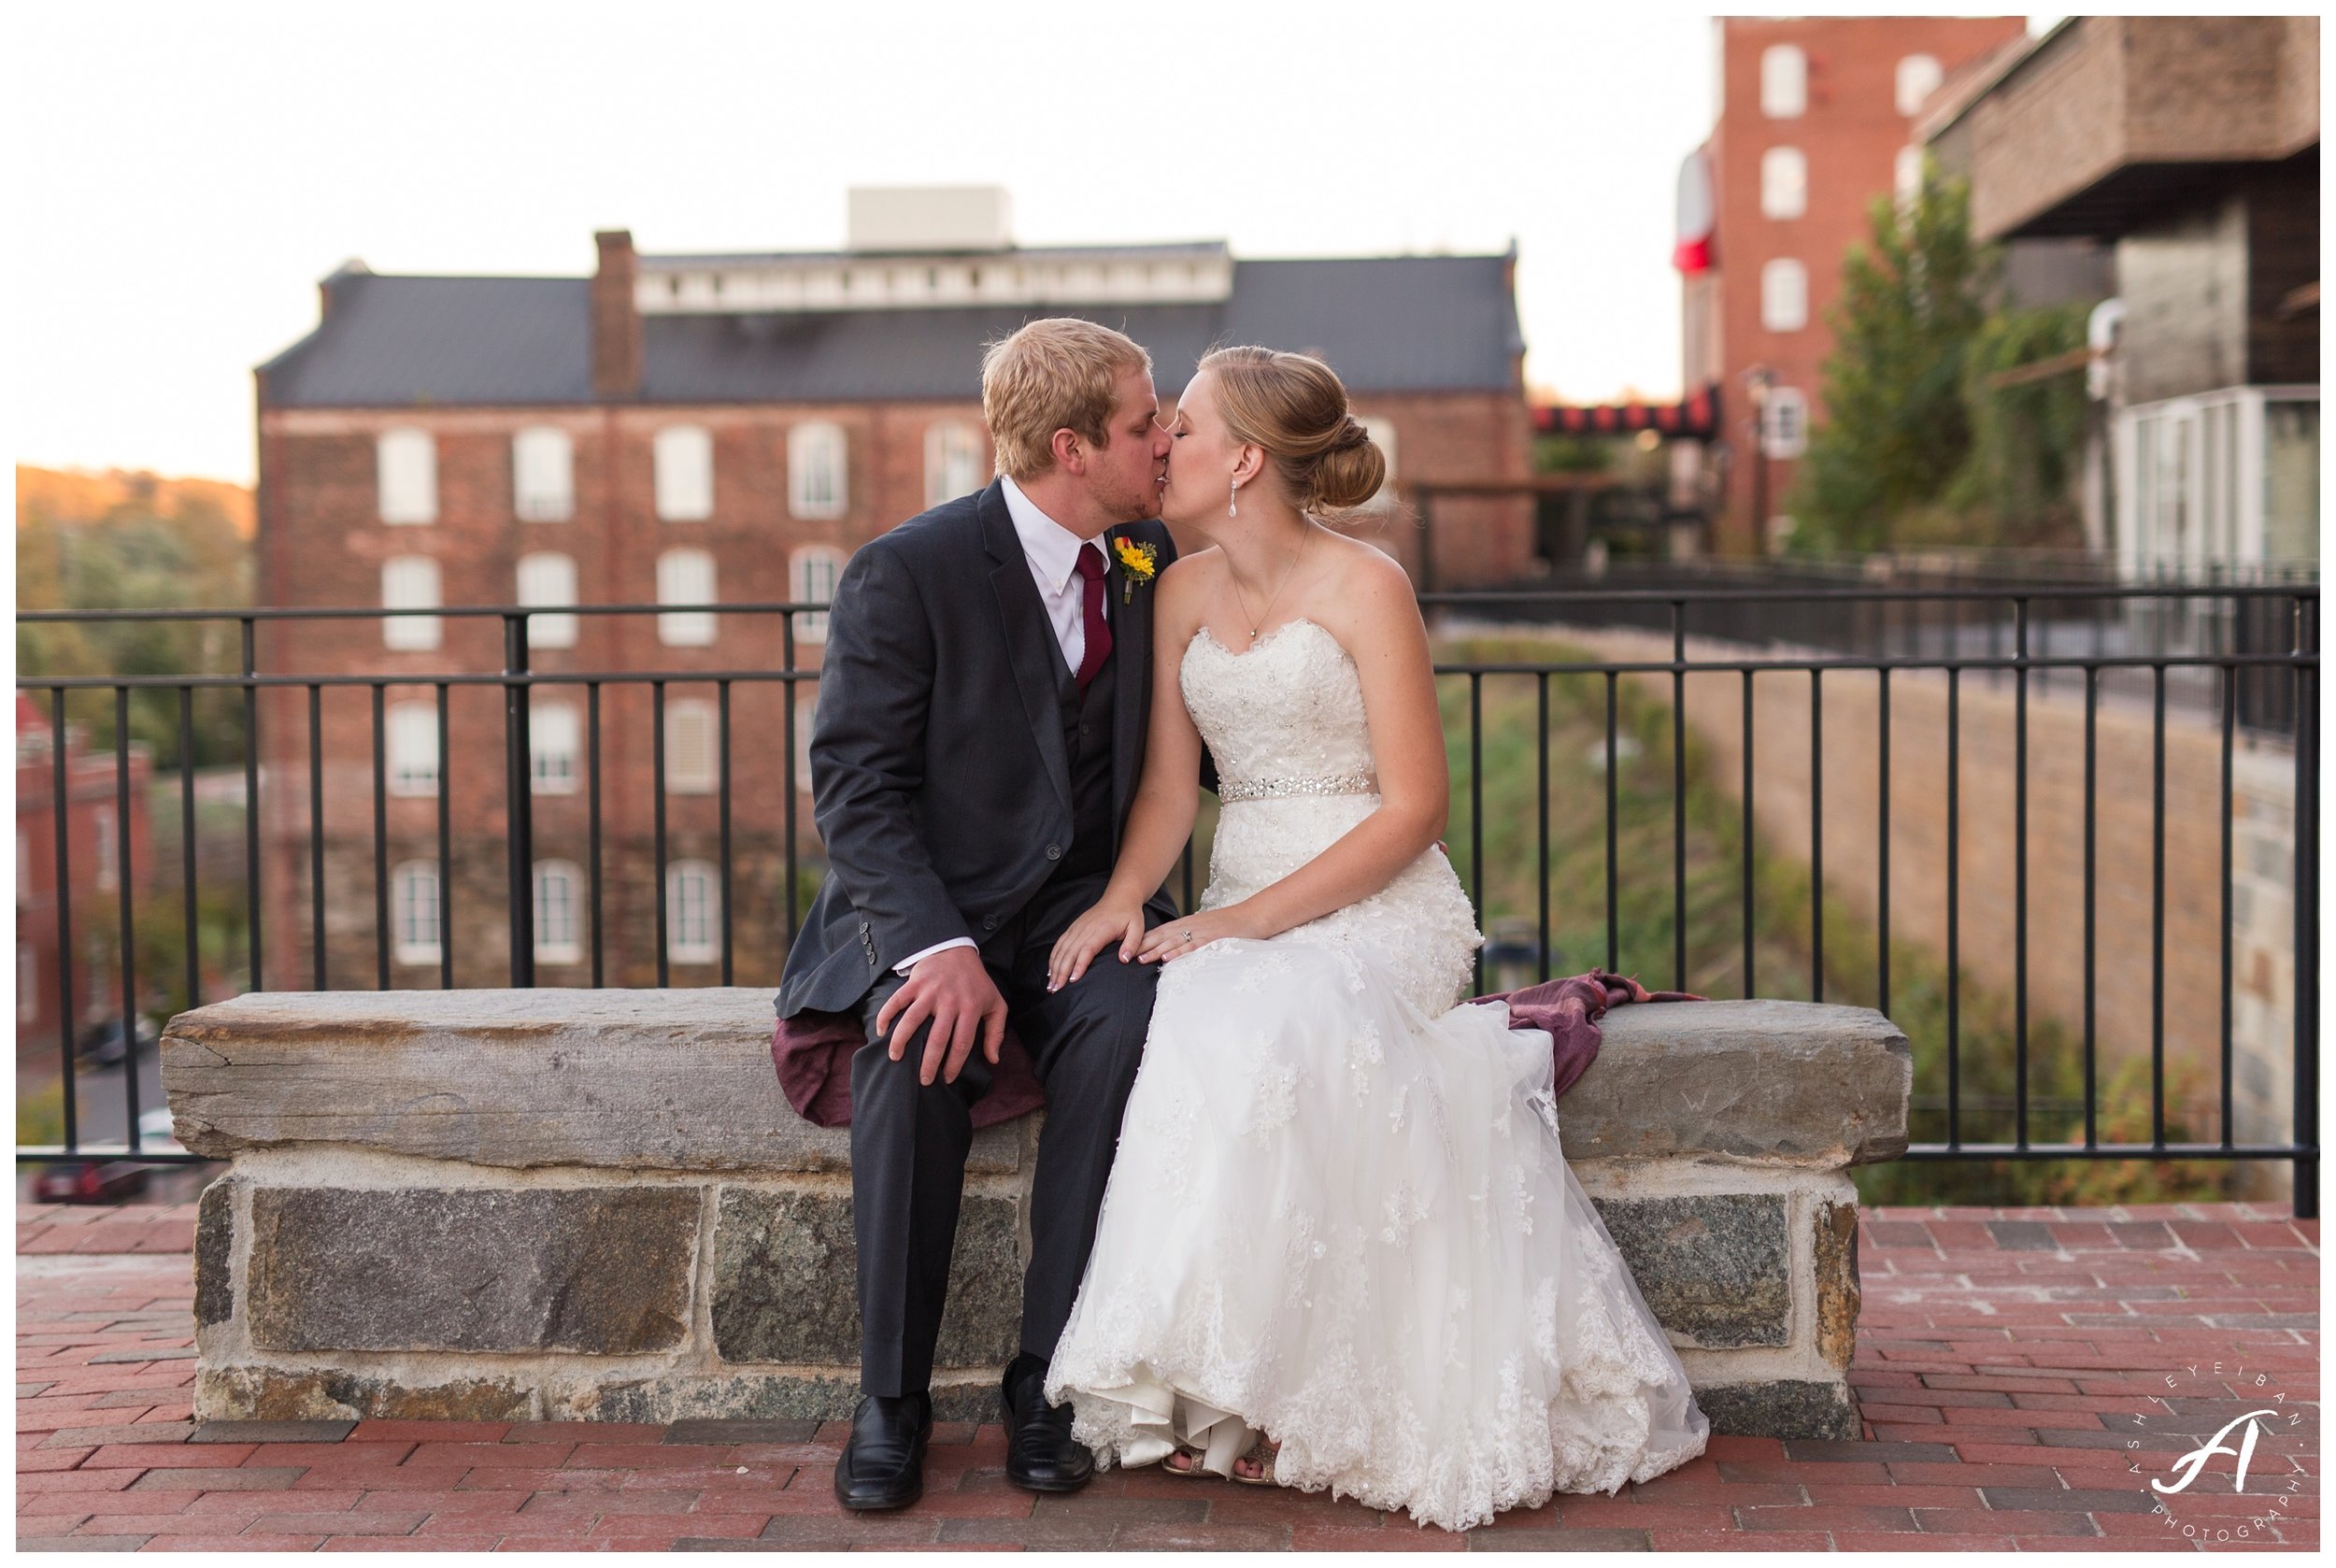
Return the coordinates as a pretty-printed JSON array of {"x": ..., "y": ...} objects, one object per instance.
[{"x": 102, "y": 1044}]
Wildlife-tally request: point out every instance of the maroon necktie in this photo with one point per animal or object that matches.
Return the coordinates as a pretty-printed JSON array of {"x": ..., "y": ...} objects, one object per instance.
[{"x": 1098, "y": 630}]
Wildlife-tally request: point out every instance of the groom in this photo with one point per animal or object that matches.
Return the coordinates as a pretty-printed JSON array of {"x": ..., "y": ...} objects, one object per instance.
[{"x": 980, "y": 731}]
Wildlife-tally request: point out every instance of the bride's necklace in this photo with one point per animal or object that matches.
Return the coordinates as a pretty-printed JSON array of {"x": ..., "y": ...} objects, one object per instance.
[{"x": 1259, "y": 620}]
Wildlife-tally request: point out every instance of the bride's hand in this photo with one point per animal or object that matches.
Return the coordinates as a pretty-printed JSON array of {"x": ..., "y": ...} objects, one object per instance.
[
  {"x": 1174, "y": 938},
  {"x": 1089, "y": 935}
]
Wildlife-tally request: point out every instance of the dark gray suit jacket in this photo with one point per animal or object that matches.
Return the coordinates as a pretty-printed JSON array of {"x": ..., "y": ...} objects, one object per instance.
[{"x": 938, "y": 776}]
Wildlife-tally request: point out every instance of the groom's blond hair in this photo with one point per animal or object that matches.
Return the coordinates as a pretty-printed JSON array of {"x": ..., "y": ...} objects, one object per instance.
[{"x": 1057, "y": 374}]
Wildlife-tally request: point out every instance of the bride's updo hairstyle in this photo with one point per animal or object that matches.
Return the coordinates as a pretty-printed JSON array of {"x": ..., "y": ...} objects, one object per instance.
[{"x": 1295, "y": 408}]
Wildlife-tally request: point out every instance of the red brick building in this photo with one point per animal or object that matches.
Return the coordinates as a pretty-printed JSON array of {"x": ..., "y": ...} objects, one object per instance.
[
  {"x": 1816, "y": 120},
  {"x": 94, "y": 829},
  {"x": 697, "y": 429}
]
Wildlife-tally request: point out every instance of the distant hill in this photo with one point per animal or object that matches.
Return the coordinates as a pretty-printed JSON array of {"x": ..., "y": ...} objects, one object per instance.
[{"x": 76, "y": 497}]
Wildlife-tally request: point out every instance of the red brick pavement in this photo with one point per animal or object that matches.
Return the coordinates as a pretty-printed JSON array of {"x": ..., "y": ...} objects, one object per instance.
[{"x": 2023, "y": 1373}]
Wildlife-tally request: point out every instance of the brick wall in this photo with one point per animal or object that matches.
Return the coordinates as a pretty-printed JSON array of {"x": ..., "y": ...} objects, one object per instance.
[
  {"x": 1850, "y": 133},
  {"x": 323, "y": 543}
]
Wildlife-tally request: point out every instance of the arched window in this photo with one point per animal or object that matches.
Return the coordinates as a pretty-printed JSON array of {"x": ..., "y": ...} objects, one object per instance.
[
  {"x": 684, "y": 456},
  {"x": 406, "y": 465},
  {"x": 410, "y": 582},
  {"x": 1784, "y": 81},
  {"x": 1382, "y": 437},
  {"x": 412, "y": 731},
  {"x": 547, "y": 577},
  {"x": 685, "y": 577},
  {"x": 1784, "y": 295},
  {"x": 694, "y": 912},
  {"x": 693, "y": 747},
  {"x": 816, "y": 482},
  {"x": 952, "y": 461},
  {"x": 1784, "y": 182},
  {"x": 543, "y": 474},
  {"x": 552, "y": 745},
  {"x": 559, "y": 922},
  {"x": 1918, "y": 77},
  {"x": 414, "y": 912},
  {"x": 811, "y": 575}
]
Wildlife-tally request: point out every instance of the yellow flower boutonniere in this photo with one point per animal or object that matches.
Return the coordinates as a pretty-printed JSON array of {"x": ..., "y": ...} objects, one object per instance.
[{"x": 1140, "y": 562}]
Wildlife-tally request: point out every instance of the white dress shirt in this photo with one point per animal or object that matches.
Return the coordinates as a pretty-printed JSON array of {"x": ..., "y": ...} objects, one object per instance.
[{"x": 1053, "y": 553}]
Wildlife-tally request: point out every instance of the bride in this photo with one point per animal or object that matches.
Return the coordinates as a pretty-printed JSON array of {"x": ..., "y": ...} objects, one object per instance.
[{"x": 1339, "y": 1214}]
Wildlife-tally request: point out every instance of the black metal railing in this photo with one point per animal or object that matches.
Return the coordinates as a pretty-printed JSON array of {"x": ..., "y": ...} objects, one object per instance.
[{"x": 1749, "y": 633}]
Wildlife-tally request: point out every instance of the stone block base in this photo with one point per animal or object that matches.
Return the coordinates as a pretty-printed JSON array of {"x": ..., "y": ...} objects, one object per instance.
[{"x": 565, "y": 1204}]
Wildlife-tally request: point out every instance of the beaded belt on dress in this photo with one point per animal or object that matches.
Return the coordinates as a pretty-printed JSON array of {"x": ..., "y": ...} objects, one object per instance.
[{"x": 1304, "y": 784}]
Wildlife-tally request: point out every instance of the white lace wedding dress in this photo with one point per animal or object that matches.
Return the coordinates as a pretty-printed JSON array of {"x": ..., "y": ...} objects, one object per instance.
[{"x": 1339, "y": 1212}]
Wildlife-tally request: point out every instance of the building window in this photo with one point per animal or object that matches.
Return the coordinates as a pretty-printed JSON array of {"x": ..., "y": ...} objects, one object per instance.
[
  {"x": 811, "y": 575},
  {"x": 685, "y": 474},
  {"x": 27, "y": 984},
  {"x": 410, "y": 582},
  {"x": 685, "y": 577},
  {"x": 807, "y": 719},
  {"x": 102, "y": 824},
  {"x": 552, "y": 746},
  {"x": 559, "y": 931},
  {"x": 1784, "y": 81},
  {"x": 1906, "y": 177},
  {"x": 414, "y": 912},
  {"x": 2291, "y": 479},
  {"x": 816, "y": 486},
  {"x": 952, "y": 461},
  {"x": 546, "y": 578},
  {"x": 1784, "y": 295},
  {"x": 1784, "y": 182},
  {"x": 1382, "y": 437},
  {"x": 412, "y": 731},
  {"x": 1785, "y": 423},
  {"x": 692, "y": 912},
  {"x": 1918, "y": 77},
  {"x": 405, "y": 466},
  {"x": 543, "y": 474},
  {"x": 692, "y": 761}
]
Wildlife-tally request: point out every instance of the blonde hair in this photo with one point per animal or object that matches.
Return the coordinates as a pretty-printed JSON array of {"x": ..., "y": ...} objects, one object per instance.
[
  {"x": 1295, "y": 408},
  {"x": 1060, "y": 373}
]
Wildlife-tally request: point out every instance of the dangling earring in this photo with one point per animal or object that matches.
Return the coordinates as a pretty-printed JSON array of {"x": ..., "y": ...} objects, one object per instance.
[{"x": 1233, "y": 508}]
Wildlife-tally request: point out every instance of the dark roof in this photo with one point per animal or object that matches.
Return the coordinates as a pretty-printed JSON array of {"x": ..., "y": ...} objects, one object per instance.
[
  {"x": 1406, "y": 324},
  {"x": 448, "y": 340}
]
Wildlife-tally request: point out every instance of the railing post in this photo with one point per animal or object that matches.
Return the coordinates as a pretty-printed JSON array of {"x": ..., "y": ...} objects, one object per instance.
[
  {"x": 517, "y": 770},
  {"x": 2305, "y": 921},
  {"x": 250, "y": 666}
]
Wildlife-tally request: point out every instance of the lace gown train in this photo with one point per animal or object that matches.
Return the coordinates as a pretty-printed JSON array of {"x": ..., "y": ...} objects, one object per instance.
[{"x": 1340, "y": 1211}]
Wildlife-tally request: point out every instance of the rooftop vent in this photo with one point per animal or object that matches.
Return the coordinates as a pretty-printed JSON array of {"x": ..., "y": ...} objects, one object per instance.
[{"x": 930, "y": 218}]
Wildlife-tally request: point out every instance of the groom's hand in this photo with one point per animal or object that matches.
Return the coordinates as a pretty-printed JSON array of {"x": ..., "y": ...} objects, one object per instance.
[{"x": 951, "y": 990}]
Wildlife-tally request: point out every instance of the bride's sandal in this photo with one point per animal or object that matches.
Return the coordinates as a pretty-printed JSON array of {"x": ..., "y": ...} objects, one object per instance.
[
  {"x": 1263, "y": 1457},
  {"x": 1191, "y": 1458}
]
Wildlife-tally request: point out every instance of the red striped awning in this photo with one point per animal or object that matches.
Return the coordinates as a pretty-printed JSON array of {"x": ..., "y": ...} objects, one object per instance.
[{"x": 1696, "y": 416}]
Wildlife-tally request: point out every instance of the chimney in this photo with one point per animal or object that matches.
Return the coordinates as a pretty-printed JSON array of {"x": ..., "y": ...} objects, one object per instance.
[
  {"x": 348, "y": 269},
  {"x": 616, "y": 320}
]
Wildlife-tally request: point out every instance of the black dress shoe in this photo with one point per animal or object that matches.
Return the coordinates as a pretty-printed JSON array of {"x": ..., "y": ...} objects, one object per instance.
[
  {"x": 883, "y": 1466},
  {"x": 1040, "y": 1453}
]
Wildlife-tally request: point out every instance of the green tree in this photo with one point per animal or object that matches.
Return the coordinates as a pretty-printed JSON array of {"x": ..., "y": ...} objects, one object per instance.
[
  {"x": 2017, "y": 485},
  {"x": 137, "y": 557},
  {"x": 1896, "y": 429}
]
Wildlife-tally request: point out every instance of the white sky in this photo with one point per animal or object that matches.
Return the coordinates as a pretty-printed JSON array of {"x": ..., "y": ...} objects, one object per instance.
[{"x": 183, "y": 174}]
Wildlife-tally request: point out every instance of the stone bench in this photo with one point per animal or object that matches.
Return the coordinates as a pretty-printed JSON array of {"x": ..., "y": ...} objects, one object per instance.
[{"x": 564, "y": 1204}]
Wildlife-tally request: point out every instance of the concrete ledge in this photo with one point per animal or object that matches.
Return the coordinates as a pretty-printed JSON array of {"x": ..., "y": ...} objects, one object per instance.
[{"x": 596, "y": 1204}]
